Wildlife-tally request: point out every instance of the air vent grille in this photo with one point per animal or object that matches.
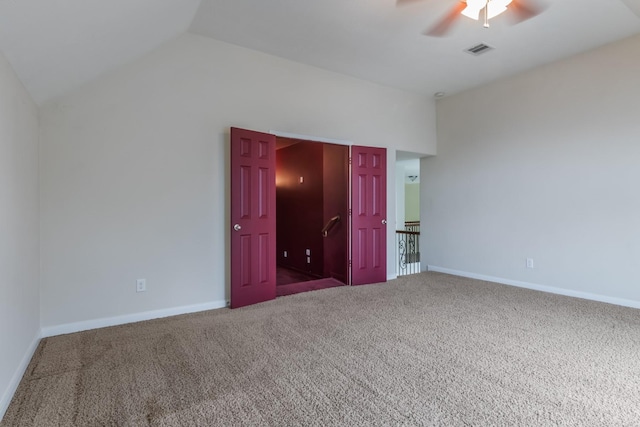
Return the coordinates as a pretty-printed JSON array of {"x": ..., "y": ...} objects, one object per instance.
[{"x": 479, "y": 49}]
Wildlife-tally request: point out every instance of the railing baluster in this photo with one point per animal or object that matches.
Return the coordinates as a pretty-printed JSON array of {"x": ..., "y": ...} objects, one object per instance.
[{"x": 408, "y": 242}]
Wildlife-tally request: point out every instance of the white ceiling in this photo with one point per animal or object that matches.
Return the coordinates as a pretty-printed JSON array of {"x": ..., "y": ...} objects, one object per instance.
[{"x": 57, "y": 45}]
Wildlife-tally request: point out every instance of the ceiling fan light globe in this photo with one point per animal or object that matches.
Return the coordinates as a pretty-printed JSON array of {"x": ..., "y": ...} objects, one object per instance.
[
  {"x": 473, "y": 8},
  {"x": 473, "y": 14}
]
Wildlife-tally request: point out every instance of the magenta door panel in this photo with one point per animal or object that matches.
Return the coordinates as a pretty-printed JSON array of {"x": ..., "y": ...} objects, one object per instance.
[
  {"x": 368, "y": 215},
  {"x": 253, "y": 217}
]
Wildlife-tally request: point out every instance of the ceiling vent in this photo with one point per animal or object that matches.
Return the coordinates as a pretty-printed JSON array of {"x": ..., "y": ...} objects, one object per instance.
[{"x": 479, "y": 49}]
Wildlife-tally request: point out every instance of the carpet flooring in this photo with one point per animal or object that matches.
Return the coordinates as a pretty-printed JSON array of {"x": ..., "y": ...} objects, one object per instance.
[{"x": 428, "y": 349}]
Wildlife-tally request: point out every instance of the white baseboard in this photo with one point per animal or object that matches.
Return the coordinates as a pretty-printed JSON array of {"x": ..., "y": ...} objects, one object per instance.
[
  {"x": 17, "y": 376},
  {"x": 392, "y": 276},
  {"x": 551, "y": 289},
  {"x": 69, "y": 328}
]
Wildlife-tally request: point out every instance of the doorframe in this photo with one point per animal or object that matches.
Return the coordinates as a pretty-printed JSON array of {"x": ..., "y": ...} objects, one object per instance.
[
  {"x": 310, "y": 138},
  {"x": 279, "y": 134}
]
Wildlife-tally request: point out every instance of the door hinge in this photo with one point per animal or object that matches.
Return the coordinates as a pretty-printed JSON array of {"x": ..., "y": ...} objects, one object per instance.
[
  {"x": 349, "y": 160},
  {"x": 349, "y": 212},
  {"x": 350, "y": 263}
]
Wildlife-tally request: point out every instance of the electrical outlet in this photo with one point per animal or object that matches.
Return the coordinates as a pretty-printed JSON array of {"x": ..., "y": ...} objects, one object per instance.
[
  {"x": 308, "y": 252},
  {"x": 529, "y": 262},
  {"x": 308, "y": 260},
  {"x": 141, "y": 285},
  {"x": 285, "y": 254}
]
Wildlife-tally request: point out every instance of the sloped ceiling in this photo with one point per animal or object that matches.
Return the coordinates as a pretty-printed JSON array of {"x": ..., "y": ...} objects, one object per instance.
[
  {"x": 57, "y": 45},
  {"x": 378, "y": 41}
]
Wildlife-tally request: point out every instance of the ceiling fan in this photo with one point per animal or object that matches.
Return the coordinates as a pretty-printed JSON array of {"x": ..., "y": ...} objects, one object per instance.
[{"x": 481, "y": 9}]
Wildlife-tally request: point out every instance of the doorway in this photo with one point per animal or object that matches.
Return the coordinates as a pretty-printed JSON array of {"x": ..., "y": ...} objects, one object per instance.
[
  {"x": 253, "y": 253},
  {"x": 408, "y": 214},
  {"x": 312, "y": 182}
]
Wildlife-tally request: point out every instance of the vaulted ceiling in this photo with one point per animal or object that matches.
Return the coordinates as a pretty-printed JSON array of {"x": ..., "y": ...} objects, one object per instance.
[{"x": 57, "y": 45}]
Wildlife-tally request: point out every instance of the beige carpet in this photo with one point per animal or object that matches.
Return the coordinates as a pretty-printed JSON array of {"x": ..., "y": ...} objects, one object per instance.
[{"x": 429, "y": 349}]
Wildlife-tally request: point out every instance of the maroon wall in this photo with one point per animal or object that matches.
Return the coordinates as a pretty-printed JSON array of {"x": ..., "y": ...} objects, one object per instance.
[
  {"x": 335, "y": 202},
  {"x": 299, "y": 212}
]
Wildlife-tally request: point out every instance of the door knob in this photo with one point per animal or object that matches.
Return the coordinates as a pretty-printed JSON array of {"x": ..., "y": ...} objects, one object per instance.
[
  {"x": 237, "y": 227},
  {"x": 384, "y": 221}
]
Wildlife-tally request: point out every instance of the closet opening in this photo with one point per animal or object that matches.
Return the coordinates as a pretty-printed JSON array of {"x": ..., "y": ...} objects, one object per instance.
[{"x": 312, "y": 215}]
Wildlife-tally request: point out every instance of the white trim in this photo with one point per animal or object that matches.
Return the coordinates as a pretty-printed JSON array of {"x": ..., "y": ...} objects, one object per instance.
[
  {"x": 309, "y": 138},
  {"x": 69, "y": 328},
  {"x": 551, "y": 289},
  {"x": 392, "y": 276},
  {"x": 17, "y": 376}
]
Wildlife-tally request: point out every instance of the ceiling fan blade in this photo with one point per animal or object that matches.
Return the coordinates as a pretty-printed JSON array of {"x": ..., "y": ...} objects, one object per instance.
[
  {"x": 443, "y": 26},
  {"x": 525, "y": 9}
]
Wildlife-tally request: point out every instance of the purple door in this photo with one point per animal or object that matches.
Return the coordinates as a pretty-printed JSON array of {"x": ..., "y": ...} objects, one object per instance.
[
  {"x": 368, "y": 215},
  {"x": 253, "y": 217}
]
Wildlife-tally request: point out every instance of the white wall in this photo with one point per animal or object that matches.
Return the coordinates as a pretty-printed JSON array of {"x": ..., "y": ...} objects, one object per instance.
[
  {"x": 412, "y": 201},
  {"x": 391, "y": 212},
  {"x": 400, "y": 196},
  {"x": 546, "y": 166},
  {"x": 19, "y": 251},
  {"x": 134, "y": 166}
]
